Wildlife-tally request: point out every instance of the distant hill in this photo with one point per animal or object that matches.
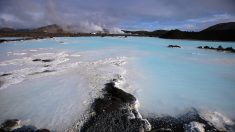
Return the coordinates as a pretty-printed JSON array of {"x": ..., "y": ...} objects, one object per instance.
[
  {"x": 49, "y": 29},
  {"x": 6, "y": 29},
  {"x": 218, "y": 32},
  {"x": 45, "y": 29},
  {"x": 221, "y": 32},
  {"x": 155, "y": 33},
  {"x": 230, "y": 26}
]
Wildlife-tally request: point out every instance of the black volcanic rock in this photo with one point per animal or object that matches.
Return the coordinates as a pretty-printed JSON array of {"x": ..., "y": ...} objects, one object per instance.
[
  {"x": 219, "y": 48},
  {"x": 14, "y": 125},
  {"x": 45, "y": 71},
  {"x": 2, "y": 40},
  {"x": 10, "y": 125},
  {"x": 177, "y": 124},
  {"x": 113, "y": 99},
  {"x": 230, "y": 49},
  {"x": 43, "y": 60},
  {"x": 42, "y": 130},
  {"x": 47, "y": 60},
  {"x": 5, "y": 74},
  {"x": 115, "y": 112},
  {"x": 37, "y": 60},
  {"x": 173, "y": 46}
]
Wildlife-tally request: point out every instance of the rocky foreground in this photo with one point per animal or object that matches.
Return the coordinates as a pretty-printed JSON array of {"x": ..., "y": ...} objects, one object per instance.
[{"x": 117, "y": 111}]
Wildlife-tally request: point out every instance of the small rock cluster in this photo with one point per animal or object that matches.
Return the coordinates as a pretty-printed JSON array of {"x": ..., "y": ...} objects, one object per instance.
[
  {"x": 15, "y": 125},
  {"x": 43, "y": 60},
  {"x": 219, "y": 48}
]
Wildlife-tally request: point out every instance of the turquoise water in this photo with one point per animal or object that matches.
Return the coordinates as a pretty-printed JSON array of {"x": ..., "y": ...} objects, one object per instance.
[{"x": 165, "y": 80}]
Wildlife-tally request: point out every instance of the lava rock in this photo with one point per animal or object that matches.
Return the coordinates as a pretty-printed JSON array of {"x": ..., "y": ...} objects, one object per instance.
[
  {"x": 42, "y": 130},
  {"x": 112, "y": 112},
  {"x": 14, "y": 125},
  {"x": 37, "y": 60},
  {"x": 5, "y": 74},
  {"x": 230, "y": 49},
  {"x": 43, "y": 60},
  {"x": 47, "y": 60},
  {"x": 219, "y": 48},
  {"x": 45, "y": 71},
  {"x": 177, "y": 124},
  {"x": 174, "y": 46},
  {"x": 10, "y": 125}
]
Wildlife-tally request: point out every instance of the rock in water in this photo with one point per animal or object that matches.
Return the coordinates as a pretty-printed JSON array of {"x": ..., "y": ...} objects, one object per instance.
[
  {"x": 219, "y": 48},
  {"x": 37, "y": 60},
  {"x": 174, "y": 46},
  {"x": 42, "y": 130}
]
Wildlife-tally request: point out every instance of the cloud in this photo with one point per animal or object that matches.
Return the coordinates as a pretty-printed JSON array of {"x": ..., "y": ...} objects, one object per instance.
[
  {"x": 91, "y": 15},
  {"x": 84, "y": 26},
  {"x": 204, "y": 22},
  {"x": 115, "y": 30},
  {"x": 213, "y": 18}
]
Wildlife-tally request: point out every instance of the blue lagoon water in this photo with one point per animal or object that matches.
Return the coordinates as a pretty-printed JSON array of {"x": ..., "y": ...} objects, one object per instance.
[{"x": 166, "y": 81}]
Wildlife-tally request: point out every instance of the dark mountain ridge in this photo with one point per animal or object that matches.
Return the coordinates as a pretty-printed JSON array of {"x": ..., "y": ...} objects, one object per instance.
[
  {"x": 218, "y": 32},
  {"x": 230, "y": 26},
  {"x": 155, "y": 33},
  {"x": 49, "y": 29}
]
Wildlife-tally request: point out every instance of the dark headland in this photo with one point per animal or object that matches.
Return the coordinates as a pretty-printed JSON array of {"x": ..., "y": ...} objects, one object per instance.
[
  {"x": 218, "y": 32},
  {"x": 115, "y": 111}
]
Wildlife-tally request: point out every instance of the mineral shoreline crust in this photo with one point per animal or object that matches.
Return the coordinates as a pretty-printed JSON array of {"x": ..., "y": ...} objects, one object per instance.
[{"x": 116, "y": 111}]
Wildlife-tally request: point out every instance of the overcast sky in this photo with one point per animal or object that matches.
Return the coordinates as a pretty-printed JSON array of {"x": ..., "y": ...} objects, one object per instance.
[{"x": 125, "y": 14}]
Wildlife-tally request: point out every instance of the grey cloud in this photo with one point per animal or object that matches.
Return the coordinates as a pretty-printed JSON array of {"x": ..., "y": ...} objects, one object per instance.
[{"x": 92, "y": 15}]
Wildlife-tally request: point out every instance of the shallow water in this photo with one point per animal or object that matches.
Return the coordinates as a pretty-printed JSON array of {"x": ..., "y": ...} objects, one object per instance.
[{"x": 165, "y": 80}]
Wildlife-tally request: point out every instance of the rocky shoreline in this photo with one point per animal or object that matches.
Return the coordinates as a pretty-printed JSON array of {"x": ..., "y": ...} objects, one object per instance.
[
  {"x": 21, "y": 39},
  {"x": 188, "y": 122},
  {"x": 117, "y": 111}
]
